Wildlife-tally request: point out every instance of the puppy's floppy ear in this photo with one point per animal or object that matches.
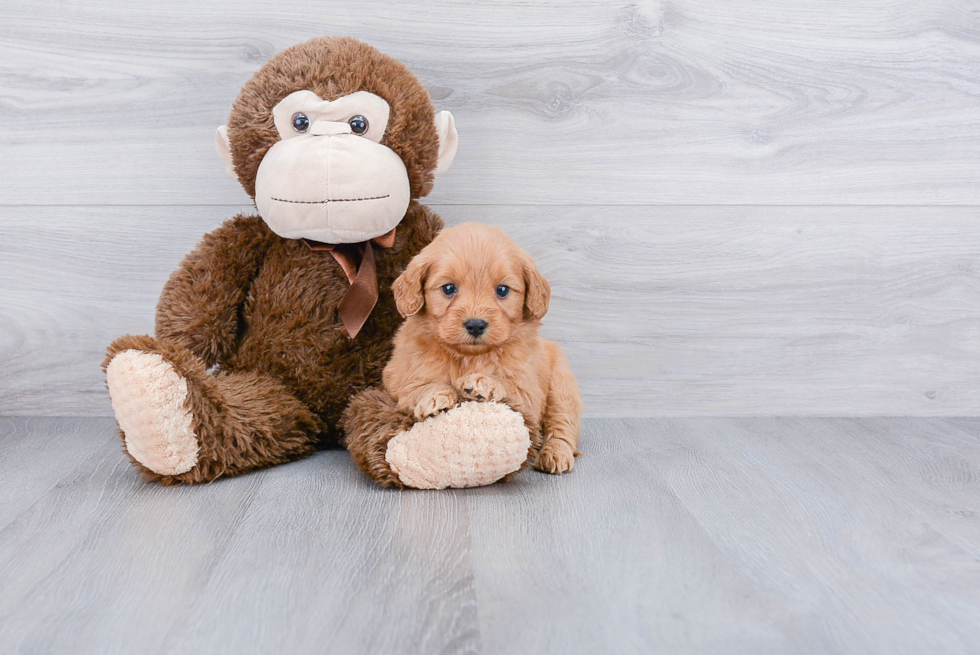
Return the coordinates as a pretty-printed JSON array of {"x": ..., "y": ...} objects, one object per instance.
[
  {"x": 408, "y": 288},
  {"x": 537, "y": 291}
]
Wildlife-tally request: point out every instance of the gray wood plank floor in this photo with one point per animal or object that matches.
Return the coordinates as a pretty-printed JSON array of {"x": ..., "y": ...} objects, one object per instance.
[{"x": 708, "y": 535}]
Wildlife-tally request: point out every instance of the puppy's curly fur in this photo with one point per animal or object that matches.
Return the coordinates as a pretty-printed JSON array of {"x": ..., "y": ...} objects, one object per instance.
[{"x": 473, "y": 302}]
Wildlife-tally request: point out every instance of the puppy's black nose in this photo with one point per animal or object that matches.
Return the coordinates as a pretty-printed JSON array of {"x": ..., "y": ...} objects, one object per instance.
[{"x": 475, "y": 326}]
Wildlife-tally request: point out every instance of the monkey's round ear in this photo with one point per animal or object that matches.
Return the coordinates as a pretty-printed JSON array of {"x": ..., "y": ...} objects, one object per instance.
[
  {"x": 448, "y": 140},
  {"x": 223, "y": 146}
]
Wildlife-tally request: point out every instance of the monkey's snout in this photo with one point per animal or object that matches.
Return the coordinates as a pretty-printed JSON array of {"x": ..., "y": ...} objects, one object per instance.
[{"x": 475, "y": 326}]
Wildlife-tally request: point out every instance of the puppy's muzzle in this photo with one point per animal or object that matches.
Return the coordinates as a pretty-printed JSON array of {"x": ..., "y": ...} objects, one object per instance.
[{"x": 475, "y": 327}]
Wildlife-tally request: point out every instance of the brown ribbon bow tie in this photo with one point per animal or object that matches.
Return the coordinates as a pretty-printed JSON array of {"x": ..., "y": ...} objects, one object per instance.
[{"x": 357, "y": 260}]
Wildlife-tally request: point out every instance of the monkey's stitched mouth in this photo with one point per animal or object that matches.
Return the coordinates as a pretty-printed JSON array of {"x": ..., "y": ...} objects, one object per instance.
[{"x": 323, "y": 202}]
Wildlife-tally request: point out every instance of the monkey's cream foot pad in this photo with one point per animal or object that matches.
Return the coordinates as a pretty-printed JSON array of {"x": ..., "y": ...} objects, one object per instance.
[
  {"x": 148, "y": 398},
  {"x": 468, "y": 446}
]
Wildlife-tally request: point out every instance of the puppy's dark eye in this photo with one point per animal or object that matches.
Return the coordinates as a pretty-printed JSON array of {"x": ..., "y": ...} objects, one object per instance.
[
  {"x": 449, "y": 290},
  {"x": 301, "y": 122},
  {"x": 502, "y": 291},
  {"x": 358, "y": 124}
]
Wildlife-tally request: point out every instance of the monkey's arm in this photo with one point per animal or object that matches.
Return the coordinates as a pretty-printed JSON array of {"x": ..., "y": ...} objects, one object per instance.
[{"x": 200, "y": 303}]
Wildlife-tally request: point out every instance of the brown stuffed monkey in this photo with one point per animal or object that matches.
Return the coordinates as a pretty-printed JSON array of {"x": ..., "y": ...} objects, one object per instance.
[{"x": 273, "y": 322}]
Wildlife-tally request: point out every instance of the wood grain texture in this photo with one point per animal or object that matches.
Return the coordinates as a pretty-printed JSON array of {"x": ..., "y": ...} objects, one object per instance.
[
  {"x": 557, "y": 102},
  {"x": 32, "y": 462},
  {"x": 839, "y": 519},
  {"x": 600, "y": 135},
  {"x": 776, "y": 535},
  {"x": 356, "y": 570},
  {"x": 663, "y": 311},
  {"x": 608, "y": 560}
]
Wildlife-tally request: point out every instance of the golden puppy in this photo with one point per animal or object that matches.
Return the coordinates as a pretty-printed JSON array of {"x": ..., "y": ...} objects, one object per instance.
[{"x": 473, "y": 302}]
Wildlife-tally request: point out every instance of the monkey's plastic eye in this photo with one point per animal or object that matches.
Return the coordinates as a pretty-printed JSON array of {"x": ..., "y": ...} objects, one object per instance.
[
  {"x": 358, "y": 124},
  {"x": 502, "y": 291},
  {"x": 449, "y": 290},
  {"x": 301, "y": 122}
]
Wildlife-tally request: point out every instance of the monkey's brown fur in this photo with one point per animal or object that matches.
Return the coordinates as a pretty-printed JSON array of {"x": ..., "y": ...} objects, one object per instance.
[
  {"x": 370, "y": 422},
  {"x": 260, "y": 310}
]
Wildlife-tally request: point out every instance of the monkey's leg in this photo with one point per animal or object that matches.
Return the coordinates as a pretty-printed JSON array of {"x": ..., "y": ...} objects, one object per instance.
[
  {"x": 180, "y": 424},
  {"x": 467, "y": 446},
  {"x": 371, "y": 420}
]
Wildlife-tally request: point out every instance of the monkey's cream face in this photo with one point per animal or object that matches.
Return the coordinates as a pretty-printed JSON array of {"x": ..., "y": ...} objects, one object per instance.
[{"x": 329, "y": 178}]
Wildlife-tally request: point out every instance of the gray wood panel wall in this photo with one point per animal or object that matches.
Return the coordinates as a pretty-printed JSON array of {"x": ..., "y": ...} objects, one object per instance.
[{"x": 745, "y": 208}]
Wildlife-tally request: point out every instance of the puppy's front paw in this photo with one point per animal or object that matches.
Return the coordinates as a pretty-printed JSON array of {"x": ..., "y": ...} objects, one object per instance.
[
  {"x": 433, "y": 402},
  {"x": 555, "y": 457},
  {"x": 480, "y": 388}
]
